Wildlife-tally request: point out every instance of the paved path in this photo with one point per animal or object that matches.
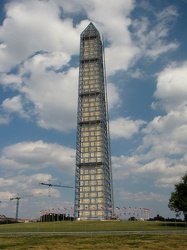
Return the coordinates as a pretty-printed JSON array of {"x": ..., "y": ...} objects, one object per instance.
[{"x": 98, "y": 232}]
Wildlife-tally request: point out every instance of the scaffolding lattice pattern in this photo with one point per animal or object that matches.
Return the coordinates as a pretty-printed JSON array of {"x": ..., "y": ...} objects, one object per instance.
[{"x": 93, "y": 178}]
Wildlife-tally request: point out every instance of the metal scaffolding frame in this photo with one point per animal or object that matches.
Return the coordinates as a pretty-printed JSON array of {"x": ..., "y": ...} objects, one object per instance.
[{"x": 93, "y": 175}]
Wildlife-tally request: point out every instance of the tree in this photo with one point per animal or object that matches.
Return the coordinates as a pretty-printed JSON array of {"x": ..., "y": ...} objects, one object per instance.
[{"x": 178, "y": 199}]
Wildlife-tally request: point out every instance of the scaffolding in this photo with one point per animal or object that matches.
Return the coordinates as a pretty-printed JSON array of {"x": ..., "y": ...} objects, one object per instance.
[{"x": 93, "y": 175}]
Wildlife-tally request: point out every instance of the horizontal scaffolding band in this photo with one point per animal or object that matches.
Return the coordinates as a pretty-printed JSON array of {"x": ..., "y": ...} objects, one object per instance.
[
  {"x": 88, "y": 37},
  {"x": 89, "y": 93},
  {"x": 90, "y": 122},
  {"x": 89, "y": 60},
  {"x": 90, "y": 164}
]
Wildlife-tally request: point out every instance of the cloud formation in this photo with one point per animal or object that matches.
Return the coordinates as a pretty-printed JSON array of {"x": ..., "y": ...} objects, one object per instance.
[
  {"x": 124, "y": 127},
  {"x": 37, "y": 155}
]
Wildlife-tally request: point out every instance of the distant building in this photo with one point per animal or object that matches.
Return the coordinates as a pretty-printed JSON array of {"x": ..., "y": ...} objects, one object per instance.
[{"x": 93, "y": 177}]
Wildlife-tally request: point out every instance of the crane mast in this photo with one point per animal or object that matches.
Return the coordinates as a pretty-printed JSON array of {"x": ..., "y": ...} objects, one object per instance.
[
  {"x": 17, "y": 205},
  {"x": 17, "y": 198}
]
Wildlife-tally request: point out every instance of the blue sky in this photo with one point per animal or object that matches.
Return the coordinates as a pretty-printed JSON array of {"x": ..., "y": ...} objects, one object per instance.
[{"x": 146, "y": 65}]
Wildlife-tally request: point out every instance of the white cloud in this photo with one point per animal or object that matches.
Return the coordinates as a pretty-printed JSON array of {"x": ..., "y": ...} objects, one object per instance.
[
  {"x": 10, "y": 80},
  {"x": 167, "y": 123},
  {"x": 46, "y": 61},
  {"x": 54, "y": 98},
  {"x": 4, "y": 119},
  {"x": 114, "y": 100},
  {"x": 161, "y": 172},
  {"x": 46, "y": 30},
  {"x": 165, "y": 135},
  {"x": 162, "y": 166},
  {"x": 167, "y": 182},
  {"x": 119, "y": 57},
  {"x": 124, "y": 127},
  {"x": 171, "y": 90},
  {"x": 141, "y": 196},
  {"x": 6, "y": 182},
  {"x": 35, "y": 25},
  {"x": 4, "y": 196},
  {"x": 180, "y": 134},
  {"x": 124, "y": 166},
  {"x": 25, "y": 185},
  {"x": 45, "y": 78},
  {"x": 169, "y": 13},
  {"x": 36, "y": 155},
  {"x": 14, "y": 104},
  {"x": 136, "y": 73},
  {"x": 72, "y": 6},
  {"x": 151, "y": 37}
]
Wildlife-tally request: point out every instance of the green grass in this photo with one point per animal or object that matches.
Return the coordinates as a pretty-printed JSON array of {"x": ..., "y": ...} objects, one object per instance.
[
  {"x": 91, "y": 226},
  {"x": 100, "y": 242},
  {"x": 166, "y": 239}
]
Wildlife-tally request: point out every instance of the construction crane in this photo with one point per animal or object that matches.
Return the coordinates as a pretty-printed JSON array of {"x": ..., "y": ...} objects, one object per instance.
[{"x": 17, "y": 202}]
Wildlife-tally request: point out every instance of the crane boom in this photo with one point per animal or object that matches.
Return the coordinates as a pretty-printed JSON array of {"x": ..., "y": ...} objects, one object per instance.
[{"x": 54, "y": 185}]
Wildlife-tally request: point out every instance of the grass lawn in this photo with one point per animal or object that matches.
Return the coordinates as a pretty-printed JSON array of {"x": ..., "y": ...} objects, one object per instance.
[
  {"x": 91, "y": 226},
  {"x": 87, "y": 242},
  {"x": 166, "y": 237}
]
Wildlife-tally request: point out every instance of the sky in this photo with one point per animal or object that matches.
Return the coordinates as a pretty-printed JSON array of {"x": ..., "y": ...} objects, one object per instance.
[{"x": 146, "y": 63}]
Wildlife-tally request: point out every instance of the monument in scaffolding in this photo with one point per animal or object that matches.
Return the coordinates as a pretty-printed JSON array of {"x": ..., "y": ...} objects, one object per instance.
[{"x": 93, "y": 175}]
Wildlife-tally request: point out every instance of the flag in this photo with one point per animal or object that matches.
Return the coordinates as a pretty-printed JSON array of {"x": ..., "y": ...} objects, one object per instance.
[{"x": 117, "y": 208}]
